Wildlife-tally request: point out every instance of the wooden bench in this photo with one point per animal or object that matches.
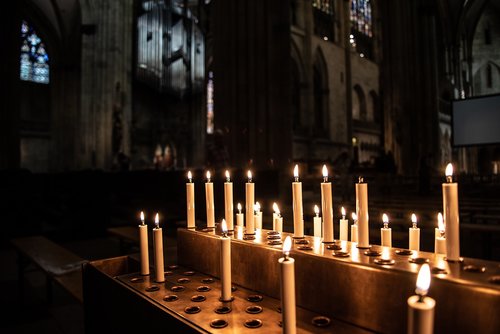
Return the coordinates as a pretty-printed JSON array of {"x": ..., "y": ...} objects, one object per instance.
[{"x": 58, "y": 264}]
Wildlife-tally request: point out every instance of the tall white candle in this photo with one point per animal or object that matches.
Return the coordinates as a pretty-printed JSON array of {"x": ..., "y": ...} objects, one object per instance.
[
  {"x": 414, "y": 234},
  {"x": 225, "y": 264},
  {"x": 250, "y": 200},
  {"x": 287, "y": 270},
  {"x": 257, "y": 216},
  {"x": 228, "y": 201},
  {"x": 440, "y": 240},
  {"x": 317, "y": 222},
  {"x": 386, "y": 232},
  {"x": 190, "y": 201},
  {"x": 362, "y": 213},
  {"x": 326, "y": 204},
  {"x": 209, "y": 195},
  {"x": 450, "y": 215},
  {"x": 239, "y": 216},
  {"x": 354, "y": 228},
  {"x": 143, "y": 243},
  {"x": 421, "y": 307},
  {"x": 158, "y": 243},
  {"x": 278, "y": 220},
  {"x": 343, "y": 228},
  {"x": 298, "y": 217}
]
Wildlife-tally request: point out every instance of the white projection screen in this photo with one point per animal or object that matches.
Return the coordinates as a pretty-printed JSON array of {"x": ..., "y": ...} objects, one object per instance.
[{"x": 476, "y": 121}]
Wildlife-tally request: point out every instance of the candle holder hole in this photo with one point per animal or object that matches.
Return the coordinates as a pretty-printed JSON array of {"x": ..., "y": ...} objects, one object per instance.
[
  {"x": 334, "y": 247},
  {"x": 152, "y": 288},
  {"x": 437, "y": 270},
  {"x": 172, "y": 266},
  {"x": 189, "y": 273},
  {"x": 474, "y": 269},
  {"x": 404, "y": 252},
  {"x": 253, "y": 323},
  {"x": 136, "y": 280},
  {"x": 274, "y": 237},
  {"x": 321, "y": 321},
  {"x": 255, "y": 298},
  {"x": 177, "y": 288},
  {"x": 170, "y": 298},
  {"x": 169, "y": 273},
  {"x": 418, "y": 260},
  {"x": 301, "y": 241},
  {"x": 198, "y": 298},
  {"x": 305, "y": 248},
  {"x": 233, "y": 288},
  {"x": 183, "y": 280},
  {"x": 249, "y": 237},
  {"x": 494, "y": 279},
  {"x": 341, "y": 254},
  {"x": 223, "y": 309},
  {"x": 218, "y": 323},
  {"x": 274, "y": 242},
  {"x": 254, "y": 309},
  {"x": 203, "y": 288},
  {"x": 384, "y": 262},
  {"x": 273, "y": 233},
  {"x": 192, "y": 309},
  {"x": 207, "y": 280},
  {"x": 372, "y": 252}
]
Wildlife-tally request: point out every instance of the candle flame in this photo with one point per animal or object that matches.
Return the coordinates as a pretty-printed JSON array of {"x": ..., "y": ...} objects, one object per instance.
[
  {"x": 142, "y": 216},
  {"x": 316, "y": 210},
  {"x": 440, "y": 222},
  {"x": 354, "y": 216},
  {"x": 287, "y": 245},
  {"x": 239, "y": 206},
  {"x": 296, "y": 171},
  {"x": 256, "y": 207},
  {"x": 157, "y": 220},
  {"x": 249, "y": 175},
  {"x": 223, "y": 226},
  {"x": 449, "y": 170},
  {"x": 325, "y": 171},
  {"x": 208, "y": 175},
  {"x": 385, "y": 218},
  {"x": 342, "y": 210},
  {"x": 413, "y": 218},
  {"x": 227, "y": 174},
  {"x": 423, "y": 280},
  {"x": 190, "y": 176},
  {"x": 276, "y": 209}
]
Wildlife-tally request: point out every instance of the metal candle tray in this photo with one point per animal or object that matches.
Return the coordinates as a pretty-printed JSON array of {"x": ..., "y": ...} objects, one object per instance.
[{"x": 365, "y": 287}]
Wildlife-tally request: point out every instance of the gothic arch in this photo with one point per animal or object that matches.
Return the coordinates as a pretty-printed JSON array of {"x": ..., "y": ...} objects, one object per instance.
[
  {"x": 320, "y": 92},
  {"x": 358, "y": 103}
]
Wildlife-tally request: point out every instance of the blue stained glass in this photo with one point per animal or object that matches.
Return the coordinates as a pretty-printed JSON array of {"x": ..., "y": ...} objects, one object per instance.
[
  {"x": 361, "y": 16},
  {"x": 34, "y": 60}
]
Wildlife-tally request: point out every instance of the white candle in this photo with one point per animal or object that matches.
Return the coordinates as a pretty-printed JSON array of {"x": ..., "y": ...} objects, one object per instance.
[
  {"x": 143, "y": 243},
  {"x": 414, "y": 233},
  {"x": 317, "y": 222},
  {"x": 225, "y": 264},
  {"x": 257, "y": 216},
  {"x": 450, "y": 215},
  {"x": 287, "y": 269},
  {"x": 278, "y": 220},
  {"x": 209, "y": 195},
  {"x": 354, "y": 228},
  {"x": 421, "y": 307},
  {"x": 158, "y": 243},
  {"x": 326, "y": 205},
  {"x": 386, "y": 232},
  {"x": 250, "y": 200},
  {"x": 362, "y": 213},
  {"x": 190, "y": 201},
  {"x": 298, "y": 220},
  {"x": 343, "y": 226},
  {"x": 440, "y": 240},
  {"x": 228, "y": 201},
  {"x": 239, "y": 216}
]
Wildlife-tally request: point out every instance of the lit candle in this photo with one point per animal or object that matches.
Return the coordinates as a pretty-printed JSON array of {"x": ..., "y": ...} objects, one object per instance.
[
  {"x": 228, "y": 200},
  {"x": 354, "y": 228},
  {"x": 317, "y": 222},
  {"x": 190, "y": 201},
  {"x": 298, "y": 221},
  {"x": 143, "y": 242},
  {"x": 239, "y": 216},
  {"x": 326, "y": 205},
  {"x": 440, "y": 240},
  {"x": 386, "y": 232},
  {"x": 158, "y": 243},
  {"x": 414, "y": 234},
  {"x": 343, "y": 226},
  {"x": 278, "y": 220},
  {"x": 257, "y": 216},
  {"x": 250, "y": 200},
  {"x": 421, "y": 307},
  {"x": 225, "y": 264},
  {"x": 287, "y": 269},
  {"x": 209, "y": 195},
  {"x": 362, "y": 213},
  {"x": 450, "y": 215}
]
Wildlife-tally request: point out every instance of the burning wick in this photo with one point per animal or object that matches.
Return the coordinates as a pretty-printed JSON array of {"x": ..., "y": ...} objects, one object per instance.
[
  {"x": 256, "y": 207},
  {"x": 190, "y": 177},
  {"x": 316, "y": 210},
  {"x": 325, "y": 174},
  {"x": 441, "y": 226},
  {"x": 239, "y": 208},
  {"x": 414, "y": 220},
  {"x": 228, "y": 179},
  {"x": 354, "y": 218},
  {"x": 224, "y": 228},
  {"x": 360, "y": 179},
  {"x": 142, "y": 218},
  {"x": 287, "y": 245},
  {"x": 385, "y": 219},
  {"x": 296, "y": 173},
  {"x": 249, "y": 175},
  {"x": 342, "y": 210},
  {"x": 157, "y": 221},
  {"x": 449, "y": 173},
  {"x": 423, "y": 282},
  {"x": 276, "y": 209},
  {"x": 208, "y": 176}
]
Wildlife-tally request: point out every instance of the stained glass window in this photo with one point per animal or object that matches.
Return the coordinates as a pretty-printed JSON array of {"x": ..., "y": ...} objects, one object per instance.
[
  {"x": 361, "y": 16},
  {"x": 34, "y": 58},
  {"x": 325, "y": 6},
  {"x": 324, "y": 15},
  {"x": 210, "y": 103}
]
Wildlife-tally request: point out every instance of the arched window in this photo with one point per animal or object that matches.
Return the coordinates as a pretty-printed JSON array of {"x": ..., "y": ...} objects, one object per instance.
[
  {"x": 321, "y": 92},
  {"x": 358, "y": 104},
  {"x": 210, "y": 103},
  {"x": 361, "y": 16},
  {"x": 34, "y": 65},
  {"x": 324, "y": 16}
]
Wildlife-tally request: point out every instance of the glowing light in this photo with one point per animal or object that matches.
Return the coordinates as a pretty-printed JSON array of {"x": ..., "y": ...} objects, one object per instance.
[
  {"x": 227, "y": 175},
  {"x": 287, "y": 245},
  {"x": 385, "y": 218},
  {"x": 449, "y": 170},
  {"x": 256, "y": 207},
  {"x": 276, "y": 209},
  {"x": 354, "y": 216},
  {"x": 142, "y": 217},
  {"x": 157, "y": 220},
  {"x": 239, "y": 207},
  {"x": 342, "y": 210},
  {"x": 441, "y": 226},
  {"x": 296, "y": 171},
  {"x": 223, "y": 226},
  {"x": 423, "y": 280},
  {"x": 249, "y": 175},
  {"x": 414, "y": 219},
  {"x": 208, "y": 176},
  {"x": 325, "y": 171},
  {"x": 316, "y": 210},
  {"x": 190, "y": 176}
]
